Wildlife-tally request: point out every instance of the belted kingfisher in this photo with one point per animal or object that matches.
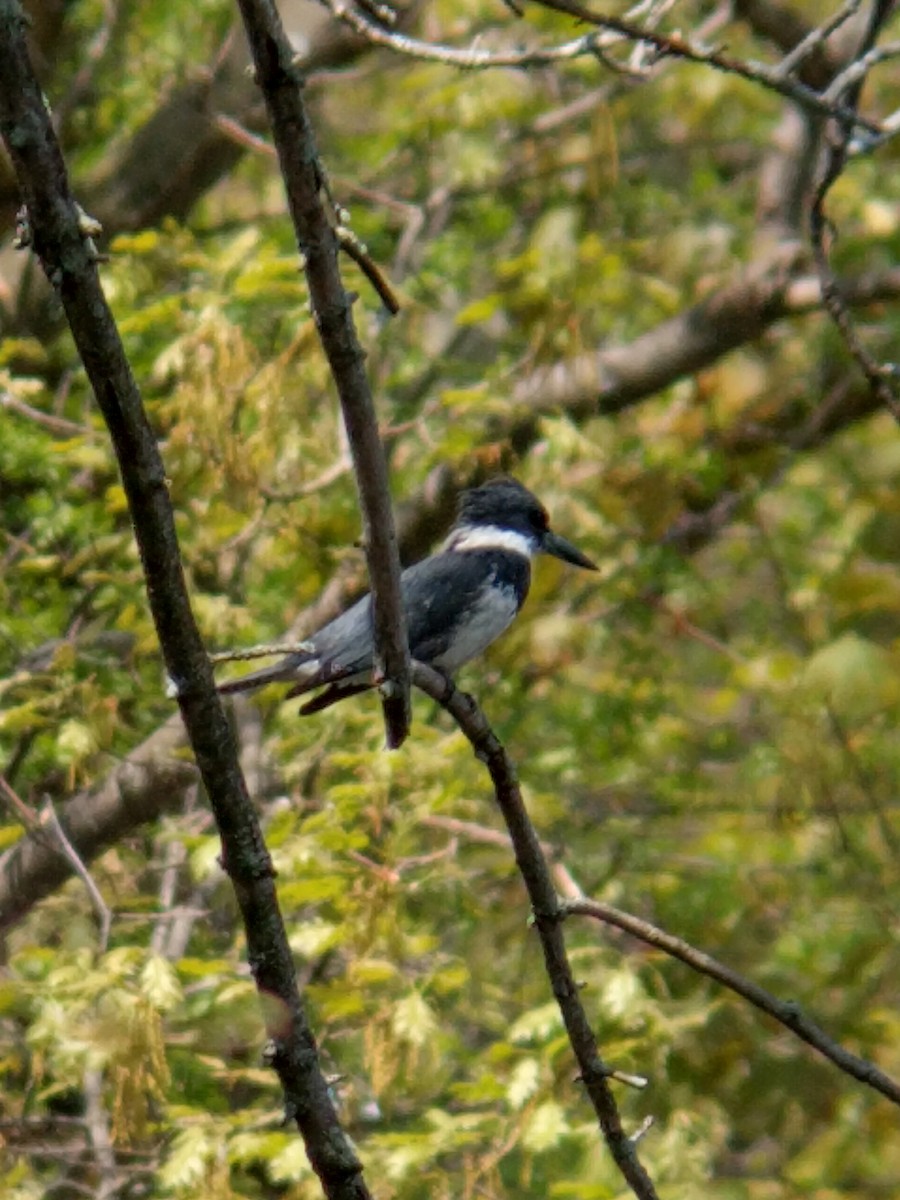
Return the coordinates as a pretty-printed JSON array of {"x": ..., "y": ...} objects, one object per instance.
[{"x": 456, "y": 602}]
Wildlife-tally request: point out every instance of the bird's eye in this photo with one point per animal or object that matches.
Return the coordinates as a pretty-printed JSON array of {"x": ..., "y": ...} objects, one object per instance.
[{"x": 540, "y": 521}]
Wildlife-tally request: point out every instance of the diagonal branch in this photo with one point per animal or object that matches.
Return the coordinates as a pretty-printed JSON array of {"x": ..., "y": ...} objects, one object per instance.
[
  {"x": 547, "y": 913},
  {"x": 472, "y": 58},
  {"x": 804, "y": 46},
  {"x": 786, "y": 1012},
  {"x": 59, "y": 233},
  {"x": 315, "y": 227},
  {"x": 679, "y": 47},
  {"x": 150, "y": 781},
  {"x": 613, "y": 378}
]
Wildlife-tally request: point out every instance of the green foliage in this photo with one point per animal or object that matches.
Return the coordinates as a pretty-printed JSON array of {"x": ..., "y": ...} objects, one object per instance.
[{"x": 707, "y": 741}]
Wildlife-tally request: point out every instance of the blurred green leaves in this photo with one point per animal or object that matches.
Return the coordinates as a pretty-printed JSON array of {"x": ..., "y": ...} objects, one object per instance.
[{"x": 708, "y": 740}]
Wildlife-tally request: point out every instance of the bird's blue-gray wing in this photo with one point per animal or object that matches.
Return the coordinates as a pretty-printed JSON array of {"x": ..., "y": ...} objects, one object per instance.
[{"x": 455, "y": 605}]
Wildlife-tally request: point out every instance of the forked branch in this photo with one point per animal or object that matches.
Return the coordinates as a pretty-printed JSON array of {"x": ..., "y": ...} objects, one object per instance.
[{"x": 548, "y": 914}]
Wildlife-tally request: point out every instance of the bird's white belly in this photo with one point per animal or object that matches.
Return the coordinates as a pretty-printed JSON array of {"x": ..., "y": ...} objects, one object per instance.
[{"x": 493, "y": 614}]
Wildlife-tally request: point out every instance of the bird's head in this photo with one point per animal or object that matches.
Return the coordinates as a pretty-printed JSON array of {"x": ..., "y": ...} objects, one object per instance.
[{"x": 502, "y": 514}]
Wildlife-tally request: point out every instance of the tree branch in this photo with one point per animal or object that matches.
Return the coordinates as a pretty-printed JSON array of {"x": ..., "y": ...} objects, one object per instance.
[
  {"x": 150, "y": 781},
  {"x": 546, "y": 911},
  {"x": 472, "y": 58},
  {"x": 847, "y": 86},
  {"x": 315, "y": 227},
  {"x": 66, "y": 252},
  {"x": 679, "y": 47},
  {"x": 793, "y": 36},
  {"x": 787, "y": 1013},
  {"x": 616, "y": 377}
]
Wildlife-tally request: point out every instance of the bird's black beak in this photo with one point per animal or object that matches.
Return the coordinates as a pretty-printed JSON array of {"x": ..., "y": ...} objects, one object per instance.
[{"x": 560, "y": 548}]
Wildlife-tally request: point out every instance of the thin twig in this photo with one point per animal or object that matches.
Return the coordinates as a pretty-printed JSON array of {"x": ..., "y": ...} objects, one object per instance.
[
  {"x": 347, "y": 239},
  {"x": 856, "y": 71},
  {"x": 883, "y": 379},
  {"x": 679, "y": 47},
  {"x": 595, "y": 45},
  {"x": 242, "y": 136},
  {"x": 787, "y": 1013},
  {"x": 25, "y": 814},
  {"x": 101, "y": 908},
  {"x": 815, "y": 39},
  {"x": 91, "y": 59},
  {"x": 47, "y": 829},
  {"x": 263, "y": 650},
  {"x": 58, "y": 426},
  {"x": 472, "y": 58},
  {"x": 173, "y": 857},
  {"x": 353, "y": 248},
  {"x": 109, "y": 1180}
]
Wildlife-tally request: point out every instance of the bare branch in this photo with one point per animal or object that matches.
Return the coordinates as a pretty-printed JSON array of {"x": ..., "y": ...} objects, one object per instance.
[
  {"x": 679, "y": 47},
  {"x": 353, "y": 248},
  {"x": 853, "y": 75},
  {"x": 267, "y": 650},
  {"x": 813, "y": 43},
  {"x": 546, "y": 910},
  {"x": 101, "y": 908},
  {"x": 613, "y": 378},
  {"x": 781, "y": 79},
  {"x": 62, "y": 243},
  {"x": 473, "y": 58},
  {"x": 347, "y": 239},
  {"x": 785, "y": 1012},
  {"x": 174, "y": 857},
  {"x": 315, "y": 223},
  {"x": 884, "y": 380},
  {"x": 152, "y": 779},
  {"x": 803, "y": 46},
  {"x": 94, "y": 55},
  {"x": 58, "y": 426},
  {"x": 97, "y": 1125}
]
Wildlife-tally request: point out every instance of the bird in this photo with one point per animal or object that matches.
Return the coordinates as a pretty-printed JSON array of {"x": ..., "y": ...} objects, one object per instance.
[{"x": 456, "y": 602}]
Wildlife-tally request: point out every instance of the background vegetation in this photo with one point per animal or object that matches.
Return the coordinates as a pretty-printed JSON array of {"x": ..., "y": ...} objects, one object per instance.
[{"x": 607, "y": 287}]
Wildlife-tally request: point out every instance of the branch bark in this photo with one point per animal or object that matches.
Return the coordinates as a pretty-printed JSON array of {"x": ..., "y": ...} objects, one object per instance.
[
  {"x": 787, "y": 1013},
  {"x": 611, "y": 379},
  {"x": 547, "y": 913},
  {"x": 69, "y": 260},
  {"x": 314, "y": 224},
  {"x": 152, "y": 780}
]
